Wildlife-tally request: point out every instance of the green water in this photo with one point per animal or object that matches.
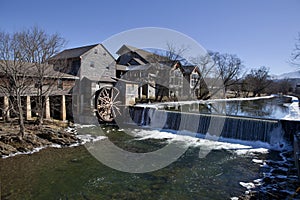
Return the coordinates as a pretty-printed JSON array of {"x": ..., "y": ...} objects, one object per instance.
[{"x": 73, "y": 173}]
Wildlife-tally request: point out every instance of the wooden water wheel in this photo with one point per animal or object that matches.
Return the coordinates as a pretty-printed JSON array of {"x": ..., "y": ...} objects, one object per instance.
[{"x": 107, "y": 104}]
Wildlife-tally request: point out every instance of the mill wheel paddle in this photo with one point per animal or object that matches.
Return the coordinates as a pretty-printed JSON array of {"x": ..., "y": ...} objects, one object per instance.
[{"x": 107, "y": 104}]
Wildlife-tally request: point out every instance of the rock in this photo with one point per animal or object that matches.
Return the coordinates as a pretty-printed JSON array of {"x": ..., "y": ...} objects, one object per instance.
[
  {"x": 267, "y": 180},
  {"x": 58, "y": 137},
  {"x": 279, "y": 172},
  {"x": 35, "y": 136},
  {"x": 6, "y": 149}
]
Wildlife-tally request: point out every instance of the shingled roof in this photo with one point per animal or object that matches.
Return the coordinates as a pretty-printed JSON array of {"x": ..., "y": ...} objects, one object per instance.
[
  {"x": 148, "y": 56},
  {"x": 74, "y": 53},
  {"x": 31, "y": 70}
]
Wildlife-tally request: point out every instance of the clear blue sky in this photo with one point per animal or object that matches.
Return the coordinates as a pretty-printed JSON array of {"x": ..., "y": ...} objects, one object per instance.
[{"x": 260, "y": 32}]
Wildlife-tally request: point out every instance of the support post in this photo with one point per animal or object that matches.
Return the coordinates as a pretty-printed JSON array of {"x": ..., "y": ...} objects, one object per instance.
[
  {"x": 140, "y": 91},
  {"x": 47, "y": 108},
  {"x": 6, "y": 108},
  {"x": 63, "y": 112},
  {"x": 28, "y": 108},
  {"x": 81, "y": 103}
]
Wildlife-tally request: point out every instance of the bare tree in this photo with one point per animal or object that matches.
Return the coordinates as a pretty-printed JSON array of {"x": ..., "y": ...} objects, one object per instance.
[
  {"x": 14, "y": 71},
  {"x": 257, "y": 81},
  {"x": 218, "y": 73},
  {"x": 229, "y": 67},
  {"x": 283, "y": 86},
  {"x": 24, "y": 68},
  {"x": 208, "y": 73},
  {"x": 171, "y": 54},
  {"x": 38, "y": 48},
  {"x": 296, "y": 53}
]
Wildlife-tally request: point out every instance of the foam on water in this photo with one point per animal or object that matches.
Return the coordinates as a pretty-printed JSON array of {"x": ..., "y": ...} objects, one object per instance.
[
  {"x": 89, "y": 138},
  {"x": 248, "y": 185},
  {"x": 84, "y": 126},
  {"x": 24, "y": 153},
  {"x": 84, "y": 139},
  {"x": 187, "y": 138},
  {"x": 35, "y": 150}
]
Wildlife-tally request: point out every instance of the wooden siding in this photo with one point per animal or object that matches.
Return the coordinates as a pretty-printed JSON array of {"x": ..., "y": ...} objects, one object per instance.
[{"x": 97, "y": 64}]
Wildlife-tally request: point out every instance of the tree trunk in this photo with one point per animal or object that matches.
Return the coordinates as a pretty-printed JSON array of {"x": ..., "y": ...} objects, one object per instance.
[
  {"x": 40, "y": 106},
  {"x": 21, "y": 117}
]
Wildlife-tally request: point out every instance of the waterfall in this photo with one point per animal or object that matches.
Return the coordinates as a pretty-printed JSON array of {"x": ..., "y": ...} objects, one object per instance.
[
  {"x": 157, "y": 118},
  {"x": 277, "y": 136},
  {"x": 249, "y": 129},
  {"x": 241, "y": 128},
  {"x": 143, "y": 117}
]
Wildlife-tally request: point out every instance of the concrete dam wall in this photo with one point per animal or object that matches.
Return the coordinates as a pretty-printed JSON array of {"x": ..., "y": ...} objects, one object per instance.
[{"x": 242, "y": 128}]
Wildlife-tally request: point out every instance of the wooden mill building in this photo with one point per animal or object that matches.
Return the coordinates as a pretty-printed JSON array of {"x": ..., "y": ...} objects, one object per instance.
[{"x": 77, "y": 74}]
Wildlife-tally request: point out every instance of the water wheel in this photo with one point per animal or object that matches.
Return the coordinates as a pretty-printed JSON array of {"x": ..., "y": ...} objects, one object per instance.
[{"x": 107, "y": 104}]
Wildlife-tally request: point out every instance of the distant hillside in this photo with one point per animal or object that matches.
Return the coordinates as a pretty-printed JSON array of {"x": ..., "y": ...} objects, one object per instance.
[{"x": 290, "y": 75}]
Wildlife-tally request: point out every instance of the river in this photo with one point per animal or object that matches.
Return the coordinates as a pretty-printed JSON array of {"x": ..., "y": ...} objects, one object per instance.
[
  {"x": 228, "y": 169},
  {"x": 73, "y": 173}
]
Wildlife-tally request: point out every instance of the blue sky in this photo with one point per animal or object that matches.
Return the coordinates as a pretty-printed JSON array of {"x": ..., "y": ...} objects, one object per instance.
[{"x": 260, "y": 32}]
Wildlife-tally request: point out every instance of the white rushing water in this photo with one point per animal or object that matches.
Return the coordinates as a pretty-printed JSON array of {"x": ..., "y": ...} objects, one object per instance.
[
  {"x": 294, "y": 112},
  {"x": 187, "y": 138}
]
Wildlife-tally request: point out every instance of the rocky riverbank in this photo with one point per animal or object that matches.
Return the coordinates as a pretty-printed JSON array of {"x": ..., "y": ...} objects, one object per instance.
[
  {"x": 278, "y": 180},
  {"x": 35, "y": 138}
]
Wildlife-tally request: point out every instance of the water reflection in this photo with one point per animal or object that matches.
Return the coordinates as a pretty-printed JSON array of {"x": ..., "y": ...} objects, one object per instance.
[{"x": 263, "y": 108}]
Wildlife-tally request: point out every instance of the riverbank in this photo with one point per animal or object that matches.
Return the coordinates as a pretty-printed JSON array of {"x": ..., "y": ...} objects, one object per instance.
[{"x": 35, "y": 138}]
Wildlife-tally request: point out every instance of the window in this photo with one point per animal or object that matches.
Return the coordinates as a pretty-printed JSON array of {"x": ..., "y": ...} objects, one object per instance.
[
  {"x": 95, "y": 51},
  {"x": 176, "y": 81},
  {"x": 59, "y": 84},
  {"x": 172, "y": 81},
  {"x": 37, "y": 84},
  {"x": 194, "y": 79},
  {"x": 92, "y": 64},
  {"x": 177, "y": 73},
  {"x": 193, "y": 82}
]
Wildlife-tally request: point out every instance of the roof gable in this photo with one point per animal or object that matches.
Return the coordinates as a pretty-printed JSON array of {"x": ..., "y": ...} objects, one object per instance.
[
  {"x": 148, "y": 56},
  {"x": 74, "y": 53}
]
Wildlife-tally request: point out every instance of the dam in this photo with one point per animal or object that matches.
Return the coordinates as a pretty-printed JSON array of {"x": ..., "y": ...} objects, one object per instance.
[{"x": 276, "y": 132}]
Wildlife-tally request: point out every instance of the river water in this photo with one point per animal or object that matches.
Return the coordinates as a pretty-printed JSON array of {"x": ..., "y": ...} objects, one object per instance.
[
  {"x": 229, "y": 169},
  {"x": 73, "y": 173},
  {"x": 270, "y": 107}
]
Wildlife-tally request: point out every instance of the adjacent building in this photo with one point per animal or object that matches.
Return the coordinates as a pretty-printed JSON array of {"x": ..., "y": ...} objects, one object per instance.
[{"x": 158, "y": 75}]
